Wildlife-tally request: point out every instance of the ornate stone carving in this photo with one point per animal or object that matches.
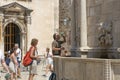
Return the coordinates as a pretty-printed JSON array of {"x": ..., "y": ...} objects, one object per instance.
[
  {"x": 64, "y": 11},
  {"x": 65, "y": 18},
  {"x": 17, "y": 11},
  {"x": 105, "y": 34}
]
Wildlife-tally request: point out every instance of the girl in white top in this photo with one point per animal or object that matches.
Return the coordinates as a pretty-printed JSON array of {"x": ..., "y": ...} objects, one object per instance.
[
  {"x": 49, "y": 57},
  {"x": 49, "y": 61}
]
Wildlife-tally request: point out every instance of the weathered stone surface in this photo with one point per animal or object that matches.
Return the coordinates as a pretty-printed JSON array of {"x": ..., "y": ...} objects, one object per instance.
[
  {"x": 44, "y": 21},
  {"x": 73, "y": 68}
]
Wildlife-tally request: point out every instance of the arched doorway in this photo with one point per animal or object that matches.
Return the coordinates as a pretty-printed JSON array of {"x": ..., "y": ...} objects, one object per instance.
[{"x": 11, "y": 36}]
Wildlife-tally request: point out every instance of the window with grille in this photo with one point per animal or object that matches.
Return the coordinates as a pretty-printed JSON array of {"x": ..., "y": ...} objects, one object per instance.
[{"x": 11, "y": 36}]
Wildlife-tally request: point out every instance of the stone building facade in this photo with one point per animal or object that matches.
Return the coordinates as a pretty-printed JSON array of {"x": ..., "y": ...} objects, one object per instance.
[
  {"x": 93, "y": 27},
  {"x": 22, "y": 20}
]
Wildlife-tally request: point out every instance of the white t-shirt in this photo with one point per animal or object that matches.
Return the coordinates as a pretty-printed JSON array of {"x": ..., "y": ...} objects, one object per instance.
[
  {"x": 1, "y": 56},
  {"x": 18, "y": 51},
  {"x": 49, "y": 56}
]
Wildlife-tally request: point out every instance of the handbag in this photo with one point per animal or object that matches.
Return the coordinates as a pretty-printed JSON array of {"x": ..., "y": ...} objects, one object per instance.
[{"x": 27, "y": 60}]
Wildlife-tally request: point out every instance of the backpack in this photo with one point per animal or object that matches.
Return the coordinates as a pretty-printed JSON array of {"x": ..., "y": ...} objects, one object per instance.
[
  {"x": 52, "y": 76},
  {"x": 27, "y": 60}
]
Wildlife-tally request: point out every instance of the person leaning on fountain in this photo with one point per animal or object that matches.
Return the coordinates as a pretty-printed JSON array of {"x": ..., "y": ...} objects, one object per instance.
[{"x": 56, "y": 44}]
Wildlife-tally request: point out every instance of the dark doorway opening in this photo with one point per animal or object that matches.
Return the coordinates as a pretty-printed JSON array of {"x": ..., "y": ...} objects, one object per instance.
[{"x": 11, "y": 36}]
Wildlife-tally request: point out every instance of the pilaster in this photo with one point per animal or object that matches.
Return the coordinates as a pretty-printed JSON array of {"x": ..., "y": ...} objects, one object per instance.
[
  {"x": 1, "y": 31},
  {"x": 73, "y": 28},
  {"x": 83, "y": 27}
]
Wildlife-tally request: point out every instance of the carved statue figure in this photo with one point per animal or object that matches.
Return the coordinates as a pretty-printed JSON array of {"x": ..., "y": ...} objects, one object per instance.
[{"x": 105, "y": 36}]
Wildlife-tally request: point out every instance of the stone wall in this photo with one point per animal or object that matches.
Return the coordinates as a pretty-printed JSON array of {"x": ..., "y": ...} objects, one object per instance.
[
  {"x": 44, "y": 21},
  {"x": 65, "y": 18},
  {"x": 71, "y": 68},
  {"x": 102, "y": 24},
  {"x": 67, "y": 24},
  {"x": 103, "y": 27},
  {"x": 103, "y": 13}
]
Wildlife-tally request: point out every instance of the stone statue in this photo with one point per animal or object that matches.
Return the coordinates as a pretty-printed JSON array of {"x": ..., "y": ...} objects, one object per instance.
[{"x": 105, "y": 36}]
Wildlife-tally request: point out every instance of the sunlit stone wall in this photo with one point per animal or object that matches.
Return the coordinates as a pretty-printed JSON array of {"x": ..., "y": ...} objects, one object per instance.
[{"x": 44, "y": 21}]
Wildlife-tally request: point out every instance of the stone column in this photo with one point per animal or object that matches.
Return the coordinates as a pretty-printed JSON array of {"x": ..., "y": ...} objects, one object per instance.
[
  {"x": 1, "y": 32},
  {"x": 28, "y": 30},
  {"x": 73, "y": 29},
  {"x": 83, "y": 29},
  {"x": 23, "y": 43},
  {"x": 83, "y": 24},
  {"x": 26, "y": 35}
]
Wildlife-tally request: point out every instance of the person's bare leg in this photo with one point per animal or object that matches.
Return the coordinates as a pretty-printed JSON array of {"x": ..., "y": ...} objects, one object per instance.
[
  {"x": 47, "y": 69},
  {"x": 15, "y": 76},
  {"x": 31, "y": 77},
  {"x": 18, "y": 72},
  {"x": 11, "y": 76},
  {"x": 51, "y": 67}
]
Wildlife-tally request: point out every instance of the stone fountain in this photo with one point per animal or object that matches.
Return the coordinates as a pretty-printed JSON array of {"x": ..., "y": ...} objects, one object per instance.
[{"x": 92, "y": 38}]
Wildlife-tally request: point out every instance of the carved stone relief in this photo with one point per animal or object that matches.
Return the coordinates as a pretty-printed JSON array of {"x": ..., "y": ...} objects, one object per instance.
[
  {"x": 64, "y": 16},
  {"x": 65, "y": 6},
  {"x": 105, "y": 34}
]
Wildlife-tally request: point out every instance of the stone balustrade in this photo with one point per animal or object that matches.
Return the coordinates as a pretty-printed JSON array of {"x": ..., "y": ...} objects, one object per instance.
[{"x": 75, "y": 68}]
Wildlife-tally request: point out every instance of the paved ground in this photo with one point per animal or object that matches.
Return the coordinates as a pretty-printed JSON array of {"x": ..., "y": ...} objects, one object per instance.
[{"x": 24, "y": 73}]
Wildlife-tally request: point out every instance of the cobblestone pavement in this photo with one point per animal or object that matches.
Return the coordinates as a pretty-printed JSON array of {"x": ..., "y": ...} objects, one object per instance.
[{"x": 25, "y": 74}]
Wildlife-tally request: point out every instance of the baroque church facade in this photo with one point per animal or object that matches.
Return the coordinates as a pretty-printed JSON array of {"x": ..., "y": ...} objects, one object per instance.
[{"x": 22, "y": 20}]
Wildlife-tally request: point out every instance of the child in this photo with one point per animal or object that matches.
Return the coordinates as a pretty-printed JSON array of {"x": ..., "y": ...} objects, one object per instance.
[{"x": 49, "y": 60}]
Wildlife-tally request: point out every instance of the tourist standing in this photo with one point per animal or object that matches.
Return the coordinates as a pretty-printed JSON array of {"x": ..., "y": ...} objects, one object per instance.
[
  {"x": 35, "y": 57},
  {"x": 2, "y": 61},
  {"x": 56, "y": 44},
  {"x": 19, "y": 57},
  {"x": 13, "y": 64}
]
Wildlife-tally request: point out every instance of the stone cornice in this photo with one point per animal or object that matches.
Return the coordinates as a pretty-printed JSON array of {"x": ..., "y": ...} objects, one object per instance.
[{"x": 15, "y": 7}]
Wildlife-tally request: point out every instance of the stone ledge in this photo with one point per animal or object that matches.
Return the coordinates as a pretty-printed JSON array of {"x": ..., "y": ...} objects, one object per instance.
[{"x": 73, "y": 68}]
